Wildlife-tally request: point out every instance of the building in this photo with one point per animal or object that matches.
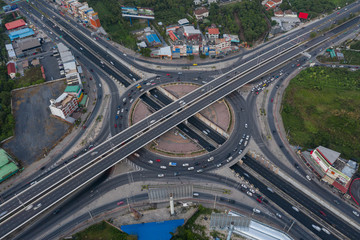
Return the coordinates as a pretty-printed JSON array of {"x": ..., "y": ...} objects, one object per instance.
[
  {"x": 153, "y": 40},
  {"x": 94, "y": 20},
  {"x": 201, "y": 13},
  {"x": 7, "y": 166},
  {"x": 277, "y": 2},
  {"x": 279, "y": 13},
  {"x": 222, "y": 45},
  {"x": 289, "y": 13},
  {"x": 11, "y": 69},
  {"x": 270, "y": 4},
  {"x": 233, "y": 38},
  {"x": 211, "y": 1},
  {"x": 183, "y": 21},
  {"x": 75, "y": 90},
  {"x": 330, "y": 167},
  {"x": 15, "y": 24},
  {"x": 191, "y": 33},
  {"x": 197, "y": 2},
  {"x": 22, "y": 33},
  {"x": 10, "y": 50},
  {"x": 26, "y": 47},
  {"x": 213, "y": 33},
  {"x": 64, "y": 105}
]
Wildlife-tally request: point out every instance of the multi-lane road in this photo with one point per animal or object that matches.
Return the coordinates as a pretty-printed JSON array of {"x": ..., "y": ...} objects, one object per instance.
[{"x": 72, "y": 176}]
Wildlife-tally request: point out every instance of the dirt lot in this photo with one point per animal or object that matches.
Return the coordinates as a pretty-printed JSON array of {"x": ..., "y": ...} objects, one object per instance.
[{"x": 36, "y": 130}]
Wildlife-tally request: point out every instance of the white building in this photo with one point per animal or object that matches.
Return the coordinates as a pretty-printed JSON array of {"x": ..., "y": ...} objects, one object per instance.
[{"x": 63, "y": 106}]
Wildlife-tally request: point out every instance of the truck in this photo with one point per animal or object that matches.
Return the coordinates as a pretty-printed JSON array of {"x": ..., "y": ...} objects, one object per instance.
[{"x": 172, "y": 164}]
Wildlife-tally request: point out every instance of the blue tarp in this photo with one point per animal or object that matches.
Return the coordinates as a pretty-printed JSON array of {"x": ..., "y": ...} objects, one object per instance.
[{"x": 25, "y": 32}]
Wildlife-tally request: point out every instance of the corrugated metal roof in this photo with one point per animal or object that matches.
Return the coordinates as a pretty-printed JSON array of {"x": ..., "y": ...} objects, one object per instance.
[
  {"x": 74, "y": 89},
  {"x": 25, "y": 32},
  {"x": 15, "y": 24},
  {"x": 4, "y": 159},
  {"x": 7, "y": 169}
]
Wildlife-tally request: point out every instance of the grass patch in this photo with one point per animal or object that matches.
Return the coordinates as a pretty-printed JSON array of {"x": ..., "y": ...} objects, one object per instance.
[
  {"x": 32, "y": 76},
  {"x": 191, "y": 230},
  {"x": 321, "y": 107},
  {"x": 104, "y": 231},
  {"x": 351, "y": 57},
  {"x": 355, "y": 45}
]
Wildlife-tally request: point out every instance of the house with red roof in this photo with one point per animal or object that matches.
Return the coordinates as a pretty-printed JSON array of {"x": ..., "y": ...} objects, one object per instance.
[
  {"x": 11, "y": 69},
  {"x": 15, "y": 24},
  {"x": 201, "y": 13},
  {"x": 213, "y": 33}
]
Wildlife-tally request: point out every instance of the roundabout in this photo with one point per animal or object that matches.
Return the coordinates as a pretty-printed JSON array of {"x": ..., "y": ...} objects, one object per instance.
[{"x": 210, "y": 139}]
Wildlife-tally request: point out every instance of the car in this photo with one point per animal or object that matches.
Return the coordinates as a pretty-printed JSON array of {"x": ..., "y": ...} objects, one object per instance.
[
  {"x": 240, "y": 152},
  {"x": 163, "y": 167},
  {"x": 247, "y": 138},
  {"x": 191, "y": 168},
  {"x": 316, "y": 227},
  {"x": 150, "y": 161},
  {"x": 241, "y": 141},
  {"x": 356, "y": 213},
  {"x": 295, "y": 208},
  {"x": 325, "y": 231},
  {"x": 272, "y": 100},
  {"x": 195, "y": 64},
  {"x": 336, "y": 201},
  {"x": 246, "y": 125},
  {"x": 29, "y": 207},
  {"x": 338, "y": 13},
  {"x": 296, "y": 165},
  {"x": 161, "y": 175},
  {"x": 115, "y": 125},
  {"x": 259, "y": 200},
  {"x": 244, "y": 135},
  {"x": 278, "y": 215},
  {"x": 218, "y": 165},
  {"x": 176, "y": 173},
  {"x": 255, "y": 210},
  {"x": 56, "y": 211},
  {"x": 249, "y": 193},
  {"x": 120, "y": 203},
  {"x": 265, "y": 200},
  {"x": 308, "y": 177},
  {"x": 168, "y": 74},
  {"x": 244, "y": 186},
  {"x": 199, "y": 170},
  {"x": 322, "y": 213},
  {"x": 38, "y": 206},
  {"x": 210, "y": 159},
  {"x": 158, "y": 160},
  {"x": 185, "y": 164},
  {"x": 81, "y": 48},
  {"x": 229, "y": 159}
]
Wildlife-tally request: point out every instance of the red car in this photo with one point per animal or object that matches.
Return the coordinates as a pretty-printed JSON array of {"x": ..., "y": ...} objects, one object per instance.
[
  {"x": 158, "y": 160},
  {"x": 272, "y": 100},
  {"x": 120, "y": 203},
  {"x": 298, "y": 64},
  {"x": 259, "y": 200},
  {"x": 115, "y": 125},
  {"x": 322, "y": 213},
  {"x": 168, "y": 74}
]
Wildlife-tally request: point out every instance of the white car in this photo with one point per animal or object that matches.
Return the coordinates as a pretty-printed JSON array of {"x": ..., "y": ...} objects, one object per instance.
[
  {"x": 249, "y": 193},
  {"x": 37, "y": 206},
  {"x": 295, "y": 208},
  {"x": 255, "y": 210},
  {"x": 326, "y": 231},
  {"x": 308, "y": 177},
  {"x": 252, "y": 190},
  {"x": 210, "y": 159},
  {"x": 316, "y": 227},
  {"x": 160, "y": 175},
  {"x": 28, "y": 207},
  {"x": 356, "y": 213},
  {"x": 244, "y": 186},
  {"x": 185, "y": 164},
  {"x": 150, "y": 161},
  {"x": 163, "y": 167},
  {"x": 200, "y": 170},
  {"x": 191, "y": 168},
  {"x": 219, "y": 165},
  {"x": 81, "y": 48},
  {"x": 246, "y": 125},
  {"x": 278, "y": 215},
  {"x": 247, "y": 138}
]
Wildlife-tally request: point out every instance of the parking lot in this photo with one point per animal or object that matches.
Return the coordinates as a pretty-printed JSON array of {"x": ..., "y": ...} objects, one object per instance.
[
  {"x": 36, "y": 130},
  {"x": 51, "y": 67}
]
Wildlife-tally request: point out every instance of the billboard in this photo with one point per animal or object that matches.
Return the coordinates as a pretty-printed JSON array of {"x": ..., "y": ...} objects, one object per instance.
[{"x": 137, "y": 12}]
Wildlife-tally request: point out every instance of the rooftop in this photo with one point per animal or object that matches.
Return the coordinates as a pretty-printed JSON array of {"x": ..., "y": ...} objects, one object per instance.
[
  {"x": 329, "y": 154},
  {"x": 28, "y": 43},
  {"x": 72, "y": 89},
  {"x": 200, "y": 11},
  {"x": 25, "y": 32},
  {"x": 213, "y": 31},
  {"x": 183, "y": 21},
  {"x": 15, "y": 24},
  {"x": 191, "y": 30}
]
